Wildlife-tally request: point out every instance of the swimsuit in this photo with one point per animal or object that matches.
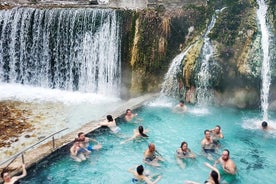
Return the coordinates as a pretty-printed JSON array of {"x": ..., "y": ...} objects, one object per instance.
[
  {"x": 116, "y": 129},
  {"x": 90, "y": 148},
  {"x": 149, "y": 159},
  {"x": 212, "y": 150}
]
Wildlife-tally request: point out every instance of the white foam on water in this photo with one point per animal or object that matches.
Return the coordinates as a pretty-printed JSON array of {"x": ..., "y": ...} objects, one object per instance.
[{"x": 17, "y": 92}]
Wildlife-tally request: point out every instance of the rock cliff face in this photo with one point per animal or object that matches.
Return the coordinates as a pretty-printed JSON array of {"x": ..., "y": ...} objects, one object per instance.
[
  {"x": 152, "y": 37},
  {"x": 160, "y": 34}
]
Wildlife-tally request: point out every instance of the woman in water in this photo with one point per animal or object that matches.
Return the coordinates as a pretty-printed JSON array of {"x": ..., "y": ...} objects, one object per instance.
[
  {"x": 214, "y": 177},
  {"x": 183, "y": 152},
  {"x": 137, "y": 133}
]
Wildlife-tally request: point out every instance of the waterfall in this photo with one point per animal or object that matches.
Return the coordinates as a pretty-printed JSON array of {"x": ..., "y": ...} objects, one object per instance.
[
  {"x": 266, "y": 78},
  {"x": 68, "y": 49},
  {"x": 170, "y": 85},
  {"x": 204, "y": 96}
]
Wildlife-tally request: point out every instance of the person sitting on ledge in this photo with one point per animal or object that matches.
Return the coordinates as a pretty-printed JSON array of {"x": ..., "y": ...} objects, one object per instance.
[
  {"x": 11, "y": 180},
  {"x": 85, "y": 140},
  {"x": 78, "y": 152},
  {"x": 111, "y": 124}
]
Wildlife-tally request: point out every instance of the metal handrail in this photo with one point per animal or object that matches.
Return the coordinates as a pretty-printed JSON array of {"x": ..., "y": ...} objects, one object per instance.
[{"x": 13, "y": 157}]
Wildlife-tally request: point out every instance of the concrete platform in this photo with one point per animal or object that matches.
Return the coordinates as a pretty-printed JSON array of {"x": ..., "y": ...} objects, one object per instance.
[{"x": 43, "y": 150}]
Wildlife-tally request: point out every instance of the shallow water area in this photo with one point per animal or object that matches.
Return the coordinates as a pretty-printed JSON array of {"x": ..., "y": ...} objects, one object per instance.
[
  {"x": 53, "y": 110},
  {"x": 251, "y": 149}
]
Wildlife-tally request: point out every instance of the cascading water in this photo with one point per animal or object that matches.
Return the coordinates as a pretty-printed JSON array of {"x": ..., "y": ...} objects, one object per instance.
[
  {"x": 170, "y": 85},
  {"x": 204, "y": 95},
  {"x": 69, "y": 49},
  {"x": 266, "y": 76}
]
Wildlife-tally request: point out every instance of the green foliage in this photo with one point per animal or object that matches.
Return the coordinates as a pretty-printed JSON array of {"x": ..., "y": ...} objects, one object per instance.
[{"x": 230, "y": 22}]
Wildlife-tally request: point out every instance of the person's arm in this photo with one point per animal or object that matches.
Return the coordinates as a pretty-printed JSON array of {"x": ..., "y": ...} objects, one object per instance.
[
  {"x": 148, "y": 181},
  {"x": 190, "y": 182},
  {"x": 131, "y": 170},
  {"x": 191, "y": 154},
  {"x": 213, "y": 168},
  {"x": 94, "y": 140},
  {"x": 24, "y": 173}
]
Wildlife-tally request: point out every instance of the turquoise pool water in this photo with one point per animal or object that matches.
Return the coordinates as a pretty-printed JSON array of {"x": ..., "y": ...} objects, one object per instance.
[{"x": 252, "y": 149}]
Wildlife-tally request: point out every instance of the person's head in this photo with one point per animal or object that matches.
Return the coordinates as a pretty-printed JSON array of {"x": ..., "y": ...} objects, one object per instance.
[
  {"x": 141, "y": 131},
  {"x": 5, "y": 175},
  {"x": 140, "y": 170},
  {"x": 128, "y": 112},
  {"x": 184, "y": 146},
  {"x": 109, "y": 118},
  {"x": 81, "y": 136},
  {"x": 214, "y": 175},
  {"x": 225, "y": 154},
  {"x": 217, "y": 129},
  {"x": 207, "y": 134},
  {"x": 181, "y": 103},
  {"x": 264, "y": 125},
  {"x": 151, "y": 147}
]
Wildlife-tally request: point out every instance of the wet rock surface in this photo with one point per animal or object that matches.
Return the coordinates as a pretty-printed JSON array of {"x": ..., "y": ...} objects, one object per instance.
[{"x": 13, "y": 122}]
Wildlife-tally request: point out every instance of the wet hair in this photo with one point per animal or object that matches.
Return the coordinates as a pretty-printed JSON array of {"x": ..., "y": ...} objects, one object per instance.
[
  {"x": 3, "y": 172},
  {"x": 183, "y": 144},
  {"x": 181, "y": 101},
  {"x": 141, "y": 131},
  {"x": 128, "y": 110},
  {"x": 109, "y": 118},
  {"x": 79, "y": 134},
  {"x": 228, "y": 152},
  {"x": 218, "y": 127},
  {"x": 215, "y": 177},
  {"x": 206, "y": 131},
  {"x": 140, "y": 170},
  {"x": 264, "y": 124}
]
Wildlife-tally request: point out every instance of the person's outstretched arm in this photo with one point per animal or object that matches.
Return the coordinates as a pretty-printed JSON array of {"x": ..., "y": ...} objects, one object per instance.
[{"x": 24, "y": 173}]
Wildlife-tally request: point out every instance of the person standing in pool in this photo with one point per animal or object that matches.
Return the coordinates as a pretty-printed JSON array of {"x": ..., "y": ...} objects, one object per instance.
[
  {"x": 11, "y": 180},
  {"x": 180, "y": 108},
  {"x": 182, "y": 153},
  {"x": 216, "y": 135},
  {"x": 151, "y": 156},
  {"x": 139, "y": 176},
  {"x": 111, "y": 124},
  {"x": 227, "y": 164},
  {"x": 85, "y": 141},
  {"x": 129, "y": 115},
  {"x": 137, "y": 133},
  {"x": 207, "y": 145}
]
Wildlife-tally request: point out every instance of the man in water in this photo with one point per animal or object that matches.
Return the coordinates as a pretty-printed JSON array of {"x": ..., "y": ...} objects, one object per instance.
[
  {"x": 85, "y": 140},
  {"x": 216, "y": 135},
  {"x": 266, "y": 127},
  {"x": 129, "y": 115},
  {"x": 180, "y": 108},
  {"x": 151, "y": 157},
  {"x": 11, "y": 180},
  {"x": 227, "y": 164}
]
